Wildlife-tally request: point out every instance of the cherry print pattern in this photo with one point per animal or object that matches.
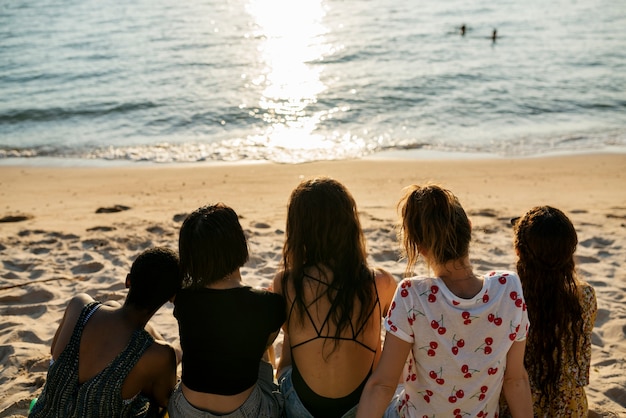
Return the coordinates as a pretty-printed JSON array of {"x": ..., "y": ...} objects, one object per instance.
[
  {"x": 426, "y": 394},
  {"x": 455, "y": 395},
  {"x": 436, "y": 376},
  {"x": 458, "y": 343},
  {"x": 495, "y": 319},
  {"x": 432, "y": 293},
  {"x": 467, "y": 317},
  {"x": 486, "y": 346},
  {"x": 438, "y": 325},
  {"x": 455, "y": 334},
  {"x": 431, "y": 348}
]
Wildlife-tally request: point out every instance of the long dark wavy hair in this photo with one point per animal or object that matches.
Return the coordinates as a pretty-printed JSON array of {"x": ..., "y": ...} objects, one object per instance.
[
  {"x": 545, "y": 241},
  {"x": 323, "y": 230},
  {"x": 433, "y": 220}
]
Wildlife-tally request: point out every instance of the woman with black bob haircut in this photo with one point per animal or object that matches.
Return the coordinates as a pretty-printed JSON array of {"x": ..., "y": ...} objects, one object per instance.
[
  {"x": 335, "y": 303},
  {"x": 225, "y": 326}
]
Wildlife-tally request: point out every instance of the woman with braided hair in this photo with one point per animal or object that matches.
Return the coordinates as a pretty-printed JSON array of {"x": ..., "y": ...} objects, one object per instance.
[{"x": 561, "y": 308}]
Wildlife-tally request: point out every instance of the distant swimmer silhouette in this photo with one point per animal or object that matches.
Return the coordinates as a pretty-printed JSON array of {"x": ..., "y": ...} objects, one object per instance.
[
  {"x": 494, "y": 35},
  {"x": 462, "y": 30}
]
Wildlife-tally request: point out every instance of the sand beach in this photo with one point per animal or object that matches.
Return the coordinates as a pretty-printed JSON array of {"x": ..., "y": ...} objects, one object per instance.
[{"x": 65, "y": 230}]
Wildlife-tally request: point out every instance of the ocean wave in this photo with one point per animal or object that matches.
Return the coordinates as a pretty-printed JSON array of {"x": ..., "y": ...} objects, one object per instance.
[{"x": 18, "y": 116}]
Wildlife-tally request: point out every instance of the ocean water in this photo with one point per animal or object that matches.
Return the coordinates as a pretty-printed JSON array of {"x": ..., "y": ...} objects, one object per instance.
[{"x": 293, "y": 81}]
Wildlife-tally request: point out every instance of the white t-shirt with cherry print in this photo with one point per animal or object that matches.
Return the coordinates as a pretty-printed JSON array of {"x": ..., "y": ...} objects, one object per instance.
[{"x": 456, "y": 366}]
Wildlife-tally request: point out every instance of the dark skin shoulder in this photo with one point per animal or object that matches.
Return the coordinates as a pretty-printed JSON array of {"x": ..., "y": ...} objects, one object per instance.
[{"x": 105, "y": 336}]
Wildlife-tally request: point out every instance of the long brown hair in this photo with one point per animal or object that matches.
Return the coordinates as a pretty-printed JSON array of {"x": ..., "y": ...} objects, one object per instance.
[
  {"x": 433, "y": 220},
  {"x": 545, "y": 241},
  {"x": 323, "y": 229}
]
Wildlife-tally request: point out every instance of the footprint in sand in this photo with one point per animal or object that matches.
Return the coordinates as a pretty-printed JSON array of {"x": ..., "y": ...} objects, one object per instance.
[
  {"x": 158, "y": 230},
  {"x": 94, "y": 243},
  {"x": 31, "y": 311},
  {"x": 26, "y": 294},
  {"x": 36, "y": 273},
  {"x": 602, "y": 316},
  {"x": 102, "y": 228},
  {"x": 596, "y": 242},
  {"x": 10, "y": 265},
  {"x": 582, "y": 259},
  {"x": 179, "y": 217},
  {"x": 40, "y": 250},
  {"x": 385, "y": 255},
  {"x": 25, "y": 335},
  {"x": 16, "y": 218},
  {"x": 87, "y": 268},
  {"x": 488, "y": 213},
  {"x": 617, "y": 394},
  {"x": 113, "y": 209},
  {"x": 6, "y": 351},
  {"x": 261, "y": 225}
]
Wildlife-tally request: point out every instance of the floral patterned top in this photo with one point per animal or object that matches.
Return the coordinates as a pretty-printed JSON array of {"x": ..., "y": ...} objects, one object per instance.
[
  {"x": 457, "y": 362},
  {"x": 571, "y": 401}
]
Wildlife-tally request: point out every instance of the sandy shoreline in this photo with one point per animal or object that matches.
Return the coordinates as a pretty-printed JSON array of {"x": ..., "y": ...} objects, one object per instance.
[{"x": 63, "y": 246}]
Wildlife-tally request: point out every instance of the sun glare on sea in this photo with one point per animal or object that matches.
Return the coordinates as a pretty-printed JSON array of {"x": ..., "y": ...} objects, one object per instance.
[{"x": 292, "y": 34}]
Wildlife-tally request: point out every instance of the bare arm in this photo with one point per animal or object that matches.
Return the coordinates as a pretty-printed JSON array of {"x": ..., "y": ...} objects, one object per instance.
[
  {"x": 162, "y": 362},
  {"x": 516, "y": 387},
  {"x": 381, "y": 386},
  {"x": 68, "y": 322},
  {"x": 386, "y": 287},
  {"x": 285, "y": 355}
]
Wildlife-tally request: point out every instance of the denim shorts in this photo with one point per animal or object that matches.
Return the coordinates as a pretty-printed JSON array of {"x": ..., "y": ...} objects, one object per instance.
[
  {"x": 293, "y": 405},
  {"x": 264, "y": 402}
]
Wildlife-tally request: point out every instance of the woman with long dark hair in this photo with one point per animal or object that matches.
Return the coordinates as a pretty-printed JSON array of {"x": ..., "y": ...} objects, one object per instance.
[
  {"x": 562, "y": 310},
  {"x": 335, "y": 303}
]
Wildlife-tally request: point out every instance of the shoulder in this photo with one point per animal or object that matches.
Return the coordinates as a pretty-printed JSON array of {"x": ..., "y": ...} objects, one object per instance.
[
  {"x": 385, "y": 287},
  {"x": 503, "y": 278},
  {"x": 586, "y": 289},
  {"x": 160, "y": 353},
  {"x": 68, "y": 323},
  {"x": 587, "y": 295},
  {"x": 74, "y": 308},
  {"x": 277, "y": 282},
  {"x": 384, "y": 279},
  {"x": 267, "y": 296},
  {"x": 79, "y": 301}
]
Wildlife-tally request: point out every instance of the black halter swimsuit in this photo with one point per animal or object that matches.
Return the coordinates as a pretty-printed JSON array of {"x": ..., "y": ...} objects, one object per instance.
[{"x": 320, "y": 406}]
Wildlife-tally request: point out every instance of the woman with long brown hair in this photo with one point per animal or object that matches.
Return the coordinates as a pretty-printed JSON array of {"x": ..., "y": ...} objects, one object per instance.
[
  {"x": 335, "y": 303},
  {"x": 562, "y": 310}
]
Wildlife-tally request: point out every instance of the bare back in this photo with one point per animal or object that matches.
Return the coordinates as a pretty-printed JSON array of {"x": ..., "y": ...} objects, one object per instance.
[
  {"x": 334, "y": 367},
  {"x": 105, "y": 336}
]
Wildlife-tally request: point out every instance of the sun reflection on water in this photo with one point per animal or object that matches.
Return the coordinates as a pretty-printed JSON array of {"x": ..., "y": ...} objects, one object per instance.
[{"x": 292, "y": 45}]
